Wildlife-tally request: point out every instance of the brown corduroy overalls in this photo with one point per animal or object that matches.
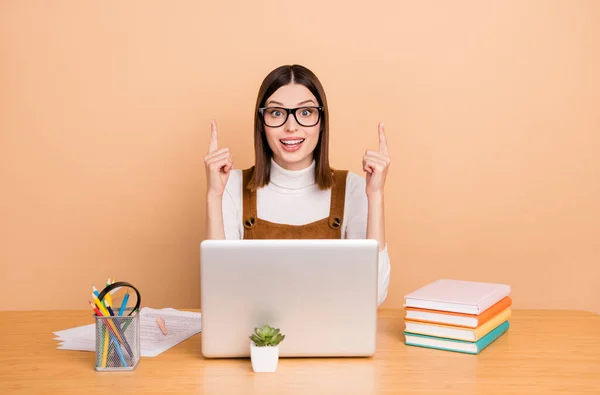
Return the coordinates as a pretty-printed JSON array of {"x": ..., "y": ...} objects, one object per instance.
[{"x": 326, "y": 228}]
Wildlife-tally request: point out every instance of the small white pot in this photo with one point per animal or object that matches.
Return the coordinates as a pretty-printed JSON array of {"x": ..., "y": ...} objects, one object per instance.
[{"x": 264, "y": 359}]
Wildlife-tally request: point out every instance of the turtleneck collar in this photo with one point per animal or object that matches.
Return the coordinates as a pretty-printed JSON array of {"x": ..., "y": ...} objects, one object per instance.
[{"x": 292, "y": 179}]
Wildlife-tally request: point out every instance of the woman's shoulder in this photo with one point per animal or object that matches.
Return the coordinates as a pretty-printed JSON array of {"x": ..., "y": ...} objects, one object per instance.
[
  {"x": 356, "y": 197},
  {"x": 355, "y": 183},
  {"x": 234, "y": 182},
  {"x": 353, "y": 179},
  {"x": 235, "y": 174}
]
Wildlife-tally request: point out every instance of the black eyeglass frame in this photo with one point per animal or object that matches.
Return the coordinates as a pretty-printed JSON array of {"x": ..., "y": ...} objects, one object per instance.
[{"x": 289, "y": 111}]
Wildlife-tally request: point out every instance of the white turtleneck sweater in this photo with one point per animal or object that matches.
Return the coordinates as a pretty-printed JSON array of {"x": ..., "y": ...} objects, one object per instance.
[{"x": 292, "y": 197}]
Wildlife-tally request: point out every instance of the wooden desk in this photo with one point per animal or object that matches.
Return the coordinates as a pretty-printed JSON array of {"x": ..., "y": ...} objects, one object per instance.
[{"x": 543, "y": 352}]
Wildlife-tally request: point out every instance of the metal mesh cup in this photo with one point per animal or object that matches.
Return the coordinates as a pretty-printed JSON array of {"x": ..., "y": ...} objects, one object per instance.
[{"x": 117, "y": 342}]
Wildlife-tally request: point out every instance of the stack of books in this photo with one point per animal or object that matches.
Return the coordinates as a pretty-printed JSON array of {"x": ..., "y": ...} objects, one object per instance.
[{"x": 455, "y": 315}]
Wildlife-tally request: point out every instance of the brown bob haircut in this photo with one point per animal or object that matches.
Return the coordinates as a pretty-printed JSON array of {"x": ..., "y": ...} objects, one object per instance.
[{"x": 277, "y": 78}]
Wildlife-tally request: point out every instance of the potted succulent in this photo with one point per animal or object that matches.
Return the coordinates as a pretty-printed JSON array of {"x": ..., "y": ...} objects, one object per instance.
[{"x": 264, "y": 348}]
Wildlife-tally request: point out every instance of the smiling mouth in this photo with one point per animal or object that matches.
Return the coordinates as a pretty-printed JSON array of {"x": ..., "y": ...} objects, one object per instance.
[{"x": 292, "y": 142}]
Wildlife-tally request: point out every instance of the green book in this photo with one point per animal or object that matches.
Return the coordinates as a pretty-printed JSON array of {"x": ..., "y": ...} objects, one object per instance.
[{"x": 441, "y": 343}]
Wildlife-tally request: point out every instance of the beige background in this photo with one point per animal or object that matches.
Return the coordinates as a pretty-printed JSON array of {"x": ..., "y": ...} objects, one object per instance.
[{"x": 491, "y": 111}]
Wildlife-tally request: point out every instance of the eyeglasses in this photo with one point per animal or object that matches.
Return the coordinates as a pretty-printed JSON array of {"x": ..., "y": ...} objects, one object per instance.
[{"x": 274, "y": 117}]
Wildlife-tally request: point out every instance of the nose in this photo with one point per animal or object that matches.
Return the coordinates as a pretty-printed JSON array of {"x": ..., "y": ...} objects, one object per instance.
[{"x": 290, "y": 125}]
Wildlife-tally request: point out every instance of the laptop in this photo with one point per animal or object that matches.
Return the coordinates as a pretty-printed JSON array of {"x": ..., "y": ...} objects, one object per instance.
[{"x": 322, "y": 294}]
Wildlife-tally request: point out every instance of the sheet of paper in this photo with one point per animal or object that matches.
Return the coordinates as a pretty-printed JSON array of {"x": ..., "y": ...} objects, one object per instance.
[
  {"x": 77, "y": 345},
  {"x": 80, "y": 338},
  {"x": 180, "y": 326},
  {"x": 79, "y": 330}
]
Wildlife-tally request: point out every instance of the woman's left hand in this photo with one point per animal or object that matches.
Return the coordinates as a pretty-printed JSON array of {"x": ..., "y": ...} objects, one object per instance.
[{"x": 376, "y": 164}]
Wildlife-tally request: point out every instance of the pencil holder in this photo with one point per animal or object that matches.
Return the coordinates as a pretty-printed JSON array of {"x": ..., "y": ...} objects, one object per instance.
[{"x": 117, "y": 342}]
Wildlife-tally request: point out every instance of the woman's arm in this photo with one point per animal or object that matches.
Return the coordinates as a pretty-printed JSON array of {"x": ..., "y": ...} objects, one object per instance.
[
  {"x": 357, "y": 216},
  {"x": 376, "y": 219},
  {"x": 214, "y": 217},
  {"x": 375, "y": 164},
  {"x": 218, "y": 164}
]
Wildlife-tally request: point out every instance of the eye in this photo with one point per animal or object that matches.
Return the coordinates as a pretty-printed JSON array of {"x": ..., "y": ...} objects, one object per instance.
[
  {"x": 306, "y": 112},
  {"x": 275, "y": 112}
]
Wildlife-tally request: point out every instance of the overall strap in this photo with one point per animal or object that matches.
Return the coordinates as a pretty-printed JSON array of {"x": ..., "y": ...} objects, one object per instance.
[
  {"x": 249, "y": 200},
  {"x": 338, "y": 199}
]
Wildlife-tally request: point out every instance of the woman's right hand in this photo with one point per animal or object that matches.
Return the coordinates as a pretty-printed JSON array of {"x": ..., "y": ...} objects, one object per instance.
[{"x": 218, "y": 163}]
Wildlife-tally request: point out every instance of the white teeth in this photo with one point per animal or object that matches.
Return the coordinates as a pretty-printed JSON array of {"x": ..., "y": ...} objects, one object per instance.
[{"x": 292, "y": 142}]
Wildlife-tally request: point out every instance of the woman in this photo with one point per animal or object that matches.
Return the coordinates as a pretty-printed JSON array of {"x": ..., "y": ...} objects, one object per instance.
[{"x": 291, "y": 191}]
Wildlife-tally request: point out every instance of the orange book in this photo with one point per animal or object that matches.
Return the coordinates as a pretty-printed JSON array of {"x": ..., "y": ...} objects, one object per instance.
[
  {"x": 457, "y": 319},
  {"x": 457, "y": 332}
]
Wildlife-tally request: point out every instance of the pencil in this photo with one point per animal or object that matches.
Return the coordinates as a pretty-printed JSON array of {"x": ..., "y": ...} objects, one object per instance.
[
  {"x": 99, "y": 355},
  {"x": 106, "y": 313},
  {"x": 108, "y": 297},
  {"x": 95, "y": 291},
  {"x": 112, "y": 327},
  {"x": 105, "y": 348},
  {"x": 124, "y": 303},
  {"x": 112, "y": 313},
  {"x": 114, "y": 341},
  {"x": 104, "y": 336}
]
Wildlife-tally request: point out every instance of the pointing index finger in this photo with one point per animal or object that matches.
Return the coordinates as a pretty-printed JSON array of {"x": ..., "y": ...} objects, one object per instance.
[
  {"x": 212, "y": 146},
  {"x": 382, "y": 140}
]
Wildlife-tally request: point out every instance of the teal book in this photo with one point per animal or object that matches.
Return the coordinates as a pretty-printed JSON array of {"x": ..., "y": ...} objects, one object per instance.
[{"x": 440, "y": 343}]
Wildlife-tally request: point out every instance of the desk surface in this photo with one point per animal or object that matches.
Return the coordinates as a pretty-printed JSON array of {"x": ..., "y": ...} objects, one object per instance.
[{"x": 543, "y": 352}]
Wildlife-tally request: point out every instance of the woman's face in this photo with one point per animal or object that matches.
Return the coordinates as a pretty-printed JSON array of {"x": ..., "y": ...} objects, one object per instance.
[{"x": 292, "y": 143}]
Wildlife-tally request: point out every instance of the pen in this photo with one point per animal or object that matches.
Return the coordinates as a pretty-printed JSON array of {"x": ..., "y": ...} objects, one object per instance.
[{"x": 162, "y": 326}]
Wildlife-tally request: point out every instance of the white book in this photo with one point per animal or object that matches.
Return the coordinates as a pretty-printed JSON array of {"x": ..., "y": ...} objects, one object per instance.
[{"x": 458, "y": 296}]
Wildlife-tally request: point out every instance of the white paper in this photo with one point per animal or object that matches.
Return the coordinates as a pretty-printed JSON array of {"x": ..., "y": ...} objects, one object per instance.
[
  {"x": 81, "y": 338},
  {"x": 180, "y": 326}
]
